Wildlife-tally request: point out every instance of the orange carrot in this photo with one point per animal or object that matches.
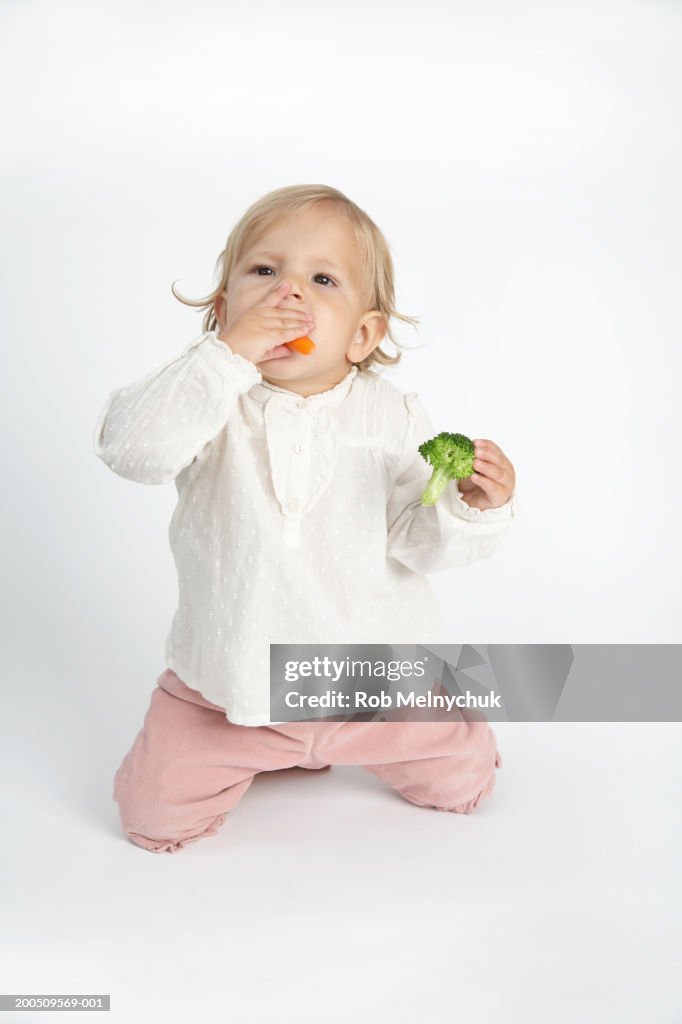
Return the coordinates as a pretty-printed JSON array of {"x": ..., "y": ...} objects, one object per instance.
[{"x": 304, "y": 344}]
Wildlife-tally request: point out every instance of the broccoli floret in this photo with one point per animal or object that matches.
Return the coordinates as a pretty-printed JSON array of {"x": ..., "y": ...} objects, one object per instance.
[{"x": 452, "y": 458}]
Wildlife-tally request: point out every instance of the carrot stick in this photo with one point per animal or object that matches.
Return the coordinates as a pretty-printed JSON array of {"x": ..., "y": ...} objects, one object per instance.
[{"x": 304, "y": 344}]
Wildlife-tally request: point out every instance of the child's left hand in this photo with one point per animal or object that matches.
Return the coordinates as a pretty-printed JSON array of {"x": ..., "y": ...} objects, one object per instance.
[{"x": 493, "y": 480}]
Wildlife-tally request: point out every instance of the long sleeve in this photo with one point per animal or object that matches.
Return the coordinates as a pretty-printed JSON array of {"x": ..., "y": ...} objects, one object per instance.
[
  {"x": 445, "y": 535},
  {"x": 149, "y": 431}
]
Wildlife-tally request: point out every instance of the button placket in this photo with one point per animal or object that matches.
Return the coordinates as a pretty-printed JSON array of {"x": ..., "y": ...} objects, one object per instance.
[
  {"x": 297, "y": 480},
  {"x": 302, "y": 449}
]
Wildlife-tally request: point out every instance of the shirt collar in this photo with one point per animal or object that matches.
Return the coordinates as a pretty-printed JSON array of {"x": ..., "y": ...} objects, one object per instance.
[{"x": 263, "y": 391}]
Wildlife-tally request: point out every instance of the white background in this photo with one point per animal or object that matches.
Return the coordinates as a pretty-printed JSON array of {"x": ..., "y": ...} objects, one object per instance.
[{"x": 523, "y": 160}]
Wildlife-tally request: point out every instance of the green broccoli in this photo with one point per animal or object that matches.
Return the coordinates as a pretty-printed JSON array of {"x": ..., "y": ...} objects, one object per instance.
[{"x": 452, "y": 458}]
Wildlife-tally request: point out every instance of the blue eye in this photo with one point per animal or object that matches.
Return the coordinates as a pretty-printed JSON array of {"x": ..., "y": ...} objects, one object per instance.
[{"x": 262, "y": 266}]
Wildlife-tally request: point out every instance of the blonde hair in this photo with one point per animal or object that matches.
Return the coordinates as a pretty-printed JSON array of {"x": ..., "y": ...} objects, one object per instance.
[{"x": 375, "y": 261}]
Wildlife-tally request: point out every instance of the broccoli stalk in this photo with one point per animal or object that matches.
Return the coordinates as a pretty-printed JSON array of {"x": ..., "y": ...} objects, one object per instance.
[{"x": 452, "y": 458}]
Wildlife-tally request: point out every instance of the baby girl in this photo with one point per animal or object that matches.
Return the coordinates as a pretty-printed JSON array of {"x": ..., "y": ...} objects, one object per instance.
[{"x": 299, "y": 521}]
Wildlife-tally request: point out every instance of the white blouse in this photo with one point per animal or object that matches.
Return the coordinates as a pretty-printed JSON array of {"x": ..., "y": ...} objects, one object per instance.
[{"x": 298, "y": 520}]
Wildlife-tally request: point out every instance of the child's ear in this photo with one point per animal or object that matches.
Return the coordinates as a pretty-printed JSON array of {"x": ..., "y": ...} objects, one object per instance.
[{"x": 369, "y": 336}]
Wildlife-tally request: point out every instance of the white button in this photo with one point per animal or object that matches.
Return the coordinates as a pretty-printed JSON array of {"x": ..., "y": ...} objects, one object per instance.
[
  {"x": 302, "y": 404},
  {"x": 294, "y": 505},
  {"x": 298, "y": 448}
]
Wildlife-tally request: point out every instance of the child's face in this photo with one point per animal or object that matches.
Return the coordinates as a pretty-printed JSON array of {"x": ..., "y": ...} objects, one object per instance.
[{"x": 316, "y": 252}]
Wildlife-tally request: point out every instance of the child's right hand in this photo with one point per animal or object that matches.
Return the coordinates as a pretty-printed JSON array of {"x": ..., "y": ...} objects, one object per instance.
[{"x": 262, "y": 331}]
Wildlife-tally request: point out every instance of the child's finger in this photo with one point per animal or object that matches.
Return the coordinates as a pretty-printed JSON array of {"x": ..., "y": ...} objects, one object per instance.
[
  {"x": 491, "y": 452},
  {"x": 276, "y": 294},
  {"x": 488, "y": 469},
  {"x": 488, "y": 449}
]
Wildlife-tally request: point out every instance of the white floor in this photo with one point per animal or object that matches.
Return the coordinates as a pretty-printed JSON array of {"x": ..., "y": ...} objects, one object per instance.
[{"x": 328, "y": 898}]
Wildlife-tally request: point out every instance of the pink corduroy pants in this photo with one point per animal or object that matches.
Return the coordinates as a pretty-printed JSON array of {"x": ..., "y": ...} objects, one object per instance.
[{"x": 189, "y": 766}]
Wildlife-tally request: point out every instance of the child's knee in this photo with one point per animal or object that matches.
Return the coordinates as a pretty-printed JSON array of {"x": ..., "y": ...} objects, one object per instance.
[
  {"x": 443, "y": 787},
  {"x": 144, "y": 818},
  {"x": 164, "y": 843}
]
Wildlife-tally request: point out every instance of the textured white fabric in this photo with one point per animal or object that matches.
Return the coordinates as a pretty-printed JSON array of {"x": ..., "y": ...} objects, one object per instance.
[{"x": 298, "y": 520}]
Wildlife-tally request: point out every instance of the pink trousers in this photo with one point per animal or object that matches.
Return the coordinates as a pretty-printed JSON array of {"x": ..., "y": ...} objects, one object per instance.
[{"x": 189, "y": 766}]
